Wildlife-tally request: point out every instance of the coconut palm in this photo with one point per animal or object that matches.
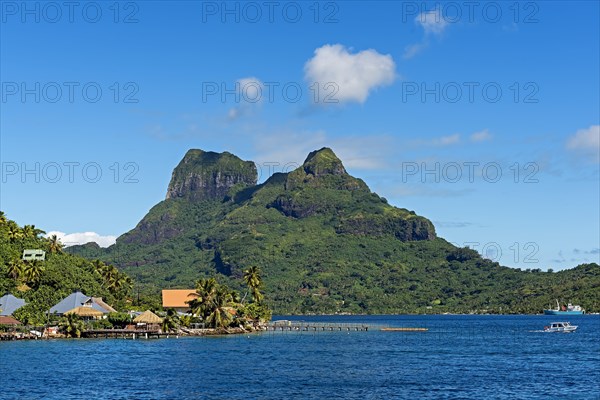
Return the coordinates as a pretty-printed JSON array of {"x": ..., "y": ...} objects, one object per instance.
[
  {"x": 170, "y": 321},
  {"x": 125, "y": 284},
  {"x": 206, "y": 289},
  {"x": 185, "y": 320},
  {"x": 3, "y": 219},
  {"x": 72, "y": 325},
  {"x": 111, "y": 278},
  {"x": 33, "y": 271},
  {"x": 54, "y": 244},
  {"x": 16, "y": 269},
  {"x": 222, "y": 310},
  {"x": 31, "y": 232},
  {"x": 98, "y": 267},
  {"x": 253, "y": 281},
  {"x": 14, "y": 232}
]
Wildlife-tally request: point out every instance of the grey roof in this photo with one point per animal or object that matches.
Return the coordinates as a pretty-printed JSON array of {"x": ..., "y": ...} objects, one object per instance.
[
  {"x": 76, "y": 299},
  {"x": 9, "y": 304}
]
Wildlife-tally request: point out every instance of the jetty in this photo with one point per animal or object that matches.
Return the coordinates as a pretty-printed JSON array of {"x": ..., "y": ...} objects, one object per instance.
[
  {"x": 404, "y": 329},
  {"x": 125, "y": 333},
  {"x": 304, "y": 326}
]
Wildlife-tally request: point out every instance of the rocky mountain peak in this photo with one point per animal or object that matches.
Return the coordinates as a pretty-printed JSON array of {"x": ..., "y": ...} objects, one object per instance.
[
  {"x": 323, "y": 162},
  {"x": 207, "y": 175}
]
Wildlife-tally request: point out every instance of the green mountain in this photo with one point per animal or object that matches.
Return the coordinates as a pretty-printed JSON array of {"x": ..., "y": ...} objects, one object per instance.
[{"x": 324, "y": 242}]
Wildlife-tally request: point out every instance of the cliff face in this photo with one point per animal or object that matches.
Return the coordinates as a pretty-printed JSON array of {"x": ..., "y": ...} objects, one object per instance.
[
  {"x": 199, "y": 180},
  {"x": 324, "y": 242},
  {"x": 321, "y": 186},
  {"x": 209, "y": 176}
]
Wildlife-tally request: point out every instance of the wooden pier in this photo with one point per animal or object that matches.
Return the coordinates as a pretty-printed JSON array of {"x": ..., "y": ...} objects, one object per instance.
[
  {"x": 125, "y": 334},
  {"x": 406, "y": 329},
  {"x": 303, "y": 326}
]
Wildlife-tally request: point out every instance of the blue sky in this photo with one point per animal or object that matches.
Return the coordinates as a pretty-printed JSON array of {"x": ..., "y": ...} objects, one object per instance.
[{"x": 483, "y": 119}]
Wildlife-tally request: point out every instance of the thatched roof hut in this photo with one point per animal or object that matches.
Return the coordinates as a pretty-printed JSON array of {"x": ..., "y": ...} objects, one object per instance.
[
  {"x": 85, "y": 312},
  {"x": 77, "y": 299},
  {"x": 147, "y": 317}
]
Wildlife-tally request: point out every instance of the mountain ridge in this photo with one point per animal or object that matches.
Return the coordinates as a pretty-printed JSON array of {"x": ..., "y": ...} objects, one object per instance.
[{"x": 324, "y": 241}]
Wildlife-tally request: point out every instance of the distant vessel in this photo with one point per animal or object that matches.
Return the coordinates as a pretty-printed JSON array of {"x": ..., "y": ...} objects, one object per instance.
[
  {"x": 564, "y": 327},
  {"x": 570, "y": 309}
]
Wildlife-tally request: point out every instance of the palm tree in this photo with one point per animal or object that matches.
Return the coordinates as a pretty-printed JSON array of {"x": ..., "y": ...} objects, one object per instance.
[
  {"x": 31, "y": 232},
  {"x": 2, "y": 218},
  {"x": 114, "y": 280},
  {"x": 72, "y": 325},
  {"x": 253, "y": 281},
  {"x": 222, "y": 311},
  {"x": 33, "y": 271},
  {"x": 185, "y": 320},
  {"x": 16, "y": 269},
  {"x": 99, "y": 267},
  {"x": 14, "y": 232},
  {"x": 125, "y": 284},
  {"x": 54, "y": 244},
  {"x": 205, "y": 292},
  {"x": 170, "y": 321},
  {"x": 206, "y": 289},
  {"x": 111, "y": 279}
]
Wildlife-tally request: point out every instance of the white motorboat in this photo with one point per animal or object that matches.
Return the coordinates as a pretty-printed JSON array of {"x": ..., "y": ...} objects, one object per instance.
[{"x": 564, "y": 327}]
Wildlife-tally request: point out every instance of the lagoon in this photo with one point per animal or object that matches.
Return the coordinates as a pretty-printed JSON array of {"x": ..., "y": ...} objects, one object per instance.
[{"x": 466, "y": 357}]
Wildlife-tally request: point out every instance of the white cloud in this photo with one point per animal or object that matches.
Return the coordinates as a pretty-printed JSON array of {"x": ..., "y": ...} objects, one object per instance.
[
  {"x": 287, "y": 150},
  {"x": 433, "y": 21},
  {"x": 72, "y": 239},
  {"x": 441, "y": 141},
  {"x": 447, "y": 140},
  {"x": 434, "y": 24},
  {"x": 251, "y": 93},
  {"x": 405, "y": 190},
  {"x": 250, "y": 89},
  {"x": 353, "y": 75},
  {"x": 586, "y": 142},
  {"x": 481, "y": 136},
  {"x": 414, "y": 49}
]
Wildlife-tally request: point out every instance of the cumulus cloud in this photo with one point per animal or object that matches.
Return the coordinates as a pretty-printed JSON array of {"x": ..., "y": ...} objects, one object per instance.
[
  {"x": 353, "y": 75},
  {"x": 586, "y": 142},
  {"x": 481, "y": 136},
  {"x": 72, "y": 239},
  {"x": 251, "y": 93}
]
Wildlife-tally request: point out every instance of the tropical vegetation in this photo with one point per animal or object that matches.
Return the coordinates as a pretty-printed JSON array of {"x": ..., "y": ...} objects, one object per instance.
[
  {"x": 323, "y": 243},
  {"x": 220, "y": 307},
  {"x": 44, "y": 283}
]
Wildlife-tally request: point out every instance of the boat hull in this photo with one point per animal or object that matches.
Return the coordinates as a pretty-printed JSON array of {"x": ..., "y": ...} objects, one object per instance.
[
  {"x": 559, "y": 312},
  {"x": 562, "y": 330}
]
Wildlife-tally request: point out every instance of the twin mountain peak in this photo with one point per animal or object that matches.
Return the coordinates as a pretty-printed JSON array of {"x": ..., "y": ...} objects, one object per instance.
[
  {"x": 206, "y": 175},
  {"x": 320, "y": 188}
]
